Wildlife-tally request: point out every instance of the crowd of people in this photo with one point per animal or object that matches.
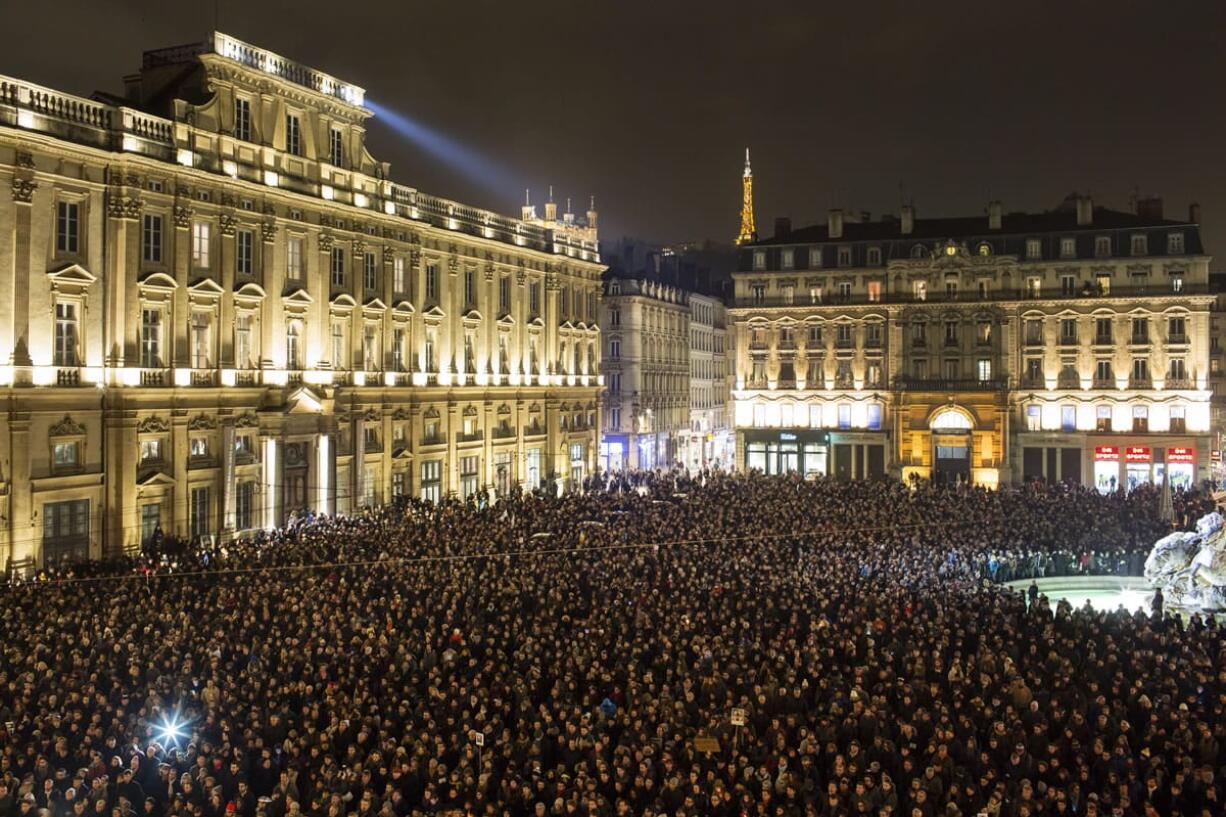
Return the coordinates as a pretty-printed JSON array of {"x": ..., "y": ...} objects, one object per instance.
[{"x": 667, "y": 646}]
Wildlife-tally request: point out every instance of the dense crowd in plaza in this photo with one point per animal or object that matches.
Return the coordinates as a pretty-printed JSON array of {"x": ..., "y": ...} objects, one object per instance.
[{"x": 584, "y": 655}]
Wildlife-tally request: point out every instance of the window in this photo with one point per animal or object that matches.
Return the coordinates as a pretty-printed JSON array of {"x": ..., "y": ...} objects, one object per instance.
[
  {"x": 200, "y": 340},
  {"x": 534, "y": 469},
  {"x": 845, "y": 290},
  {"x": 919, "y": 289},
  {"x": 951, "y": 333},
  {"x": 788, "y": 293},
  {"x": 1102, "y": 418},
  {"x": 951, "y": 288},
  {"x": 844, "y": 256},
  {"x": 1102, "y": 246},
  {"x": 1068, "y": 418},
  {"x": 1179, "y": 423},
  {"x": 1102, "y": 281},
  {"x": 1140, "y": 330},
  {"x": 201, "y": 234},
  {"x": 874, "y": 416},
  {"x": 243, "y": 448},
  {"x": 504, "y": 294},
  {"x": 242, "y": 119},
  {"x": 1103, "y": 375},
  {"x": 370, "y": 347},
  {"x": 293, "y": 258},
  {"x": 615, "y": 317},
  {"x": 985, "y": 288},
  {"x": 293, "y": 134},
  {"x": 1034, "y": 287},
  {"x": 243, "y": 249},
  {"x": 470, "y": 287},
  {"x": 983, "y": 332},
  {"x": 758, "y": 291},
  {"x": 293, "y": 344},
  {"x": 920, "y": 367},
  {"x": 398, "y": 274},
  {"x": 369, "y": 278},
  {"x": 1068, "y": 330},
  {"x": 65, "y": 530},
  {"x": 815, "y": 258},
  {"x": 242, "y": 340},
  {"x": 787, "y": 259},
  {"x": 952, "y": 369},
  {"x": 336, "y": 154},
  {"x": 1174, "y": 243},
  {"x": 1102, "y": 330},
  {"x": 244, "y": 505},
  {"x": 1034, "y": 370},
  {"x": 983, "y": 368},
  {"x": 872, "y": 334},
  {"x": 470, "y": 480},
  {"x": 1068, "y": 248},
  {"x": 151, "y": 238},
  {"x": 1177, "y": 282},
  {"x": 200, "y": 511},
  {"x": 65, "y": 334},
  {"x": 1175, "y": 330},
  {"x": 151, "y": 450},
  {"x": 430, "y": 350},
  {"x": 1139, "y": 244},
  {"x": 615, "y": 383},
  {"x": 843, "y": 334},
  {"x": 759, "y": 259},
  {"x": 68, "y": 227},
  {"x": 338, "y": 267},
  {"x": 338, "y": 346},
  {"x": 1034, "y": 248},
  {"x": 1034, "y": 417},
  {"x": 534, "y": 297},
  {"x": 151, "y": 338},
  {"x": 874, "y": 256},
  {"x": 844, "y": 415},
  {"x": 432, "y": 282},
  {"x": 815, "y": 295},
  {"x": 615, "y": 348},
  {"x": 874, "y": 291},
  {"x": 64, "y": 455},
  {"x": 198, "y": 447},
  {"x": 1177, "y": 372},
  {"x": 398, "y": 478},
  {"x": 1140, "y": 371},
  {"x": 919, "y": 333},
  {"x": 1140, "y": 418},
  {"x": 815, "y": 335},
  {"x": 1068, "y": 285}
]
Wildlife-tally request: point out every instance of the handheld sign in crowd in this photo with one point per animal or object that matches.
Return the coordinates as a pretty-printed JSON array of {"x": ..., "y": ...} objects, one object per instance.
[
  {"x": 478, "y": 738},
  {"x": 738, "y": 717},
  {"x": 706, "y": 744}
]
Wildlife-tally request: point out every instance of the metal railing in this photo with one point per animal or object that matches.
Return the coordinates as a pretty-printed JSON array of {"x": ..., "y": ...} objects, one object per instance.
[
  {"x": 949, "y": 384},
  {"x": 974, "y": 296}
]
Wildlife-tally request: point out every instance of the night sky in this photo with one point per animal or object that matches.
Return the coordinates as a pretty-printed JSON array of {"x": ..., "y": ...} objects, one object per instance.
[{"x": 650, "y": 105}]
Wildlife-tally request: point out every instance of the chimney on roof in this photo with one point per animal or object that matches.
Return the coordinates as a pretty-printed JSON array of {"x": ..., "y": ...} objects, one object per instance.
[
  {"x": 1194, "y": 213},
  {"x": 783, "y": 227},
  {"x": 834, "y": 223},
  {"x": 1150, "y": 208},
  {"x": 1085, "y": 211},
  {"x": 994, "y": 215},
  {"x": 908, "y": 219}
]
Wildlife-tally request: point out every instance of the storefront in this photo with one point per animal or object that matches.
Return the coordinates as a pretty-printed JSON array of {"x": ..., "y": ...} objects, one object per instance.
[
  {"x": 613, "y": 452},
  {"x": 1181, "y": 466},
  {"x": 798, "y": 451},
  {"x": 1130, "y": 466},
  {"x": 1106, "y": 468}
]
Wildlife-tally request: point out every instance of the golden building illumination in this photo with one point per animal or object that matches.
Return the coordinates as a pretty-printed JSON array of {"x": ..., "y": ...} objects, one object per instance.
[
  {"x": 1068, "y": 345},
  {"x": 221, "y": 310},
  {"x": 749, "y": 232}
]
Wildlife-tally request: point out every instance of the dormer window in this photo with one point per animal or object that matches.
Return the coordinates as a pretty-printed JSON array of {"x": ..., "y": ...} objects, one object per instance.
[
  {"x": 759, "y": 259},
  {"x": 787, "y": 259},
  {"x": 1034, "y": 248},
  {"x": 844, "y": 256},
  {"x": 1068, "y": 248},
  {"x": 874, "y": 256},
  {"x": 1174, "y": 243},
  {"x": 1139, "y": 244},
  {"x": 1102, "y": 246}
]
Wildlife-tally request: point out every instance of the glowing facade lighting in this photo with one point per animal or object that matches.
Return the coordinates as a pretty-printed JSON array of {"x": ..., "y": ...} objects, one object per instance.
[
  {"x": 389, "y": 207},
  {"x": 185, "y": 157},
  {"x": 270, "y": 178},
  {"x": 230, "y": 169},
  {"x": 360, "y": 200},
  {"x": 270, "y": 483},
  {"x": 323, "y": 465},
  {"x": 25, "y": 119},
  {"x": 327, "y": 192},
  {"x": 130, "y": 143}
]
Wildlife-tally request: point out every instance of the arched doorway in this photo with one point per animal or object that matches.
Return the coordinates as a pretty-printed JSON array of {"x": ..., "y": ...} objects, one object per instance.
[{"x": 951, "y": 428}]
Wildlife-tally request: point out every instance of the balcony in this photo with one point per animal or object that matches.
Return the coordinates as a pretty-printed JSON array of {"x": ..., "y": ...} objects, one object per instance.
[
  {"x": 1177, "y": 340},
  {"x": 845, "y": 343},
  {"x": 1088, "y": 292},
  {"x": 872, "y": 343},
  {"x": 433, "y": 439},
  {"x": 1140, "y": 383},
  {"x": 1103, "y": 383},
  {"x": 1103, "y": 340},
  {"x": 246, "y": 377},
  {"x": 1034, "y": 340},
  {"x": 203, "y": 377},
  {"x": 1177, "y": 383},
  {"x": 786, "y": 383},
  {"x": 1068, "y": 340},
  {"x": 67, "y": 376},
  {"x": 504, "y": 434},
  {"x": 1036, "y": 382},
  {"x": 1139, "y": 340},
  {"x": 915, "y": 384},
  {"x": 471, "y": 437},
  {"x": 153, "y": 377}
]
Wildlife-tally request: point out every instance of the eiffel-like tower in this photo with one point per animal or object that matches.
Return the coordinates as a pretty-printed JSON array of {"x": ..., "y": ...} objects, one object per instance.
[{"x": 749, "y": 232}]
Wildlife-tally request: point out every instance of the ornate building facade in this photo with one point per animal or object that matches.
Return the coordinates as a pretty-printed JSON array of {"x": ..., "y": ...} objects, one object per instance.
[
  {"x": 1067, "y": 345},
  {"x": 710, "y": 441},
  {"x": 219, "y": 310}
]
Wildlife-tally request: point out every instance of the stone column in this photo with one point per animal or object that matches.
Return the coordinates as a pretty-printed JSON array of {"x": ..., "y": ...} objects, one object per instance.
[
  {"x": 25, "y": 538},
  {"x": 227, "y": 478},
  {"x": 23, "y": 199}
]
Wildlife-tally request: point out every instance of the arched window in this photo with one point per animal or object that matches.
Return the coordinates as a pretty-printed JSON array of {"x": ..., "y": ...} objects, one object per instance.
[{"x": 950, "y": 419}]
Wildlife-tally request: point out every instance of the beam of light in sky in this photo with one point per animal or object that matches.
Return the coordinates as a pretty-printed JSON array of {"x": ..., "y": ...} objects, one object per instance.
[{"x": 469, "y": 163}]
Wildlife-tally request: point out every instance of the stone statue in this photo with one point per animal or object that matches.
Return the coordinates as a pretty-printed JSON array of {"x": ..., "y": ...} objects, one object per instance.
[{"x": 1190, "y": 567}]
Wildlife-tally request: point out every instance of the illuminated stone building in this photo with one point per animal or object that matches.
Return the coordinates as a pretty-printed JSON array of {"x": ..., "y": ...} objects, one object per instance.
[
  {"x": 1066, "y": 345},
  {"x": 219, "y": 309}
]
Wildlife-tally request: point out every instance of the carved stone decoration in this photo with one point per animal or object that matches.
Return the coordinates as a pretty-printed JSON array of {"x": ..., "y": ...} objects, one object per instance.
[
  {"x": 23, "y": 190},
  {"x": 359, "y": 246},
  {"x": 414, "y": 258},
  {"x": 25, "y": 159},
  {"x": 521, "y": 275},
  {"x": 400, "y": 414},
  {"x": 183, "y": 191},
  {"x": 247, "y": 420},
  {"x": 1190, "y": 567},
  {"x": 227, "y": 224},
  {"x": 228, "y": 200},
  {"x": 268, "y": 231},
  {"x": 125, "y": 207},
  {"x": 201, "y": 422},
  {"x": 132, "y": 179},
  {"x": 371, "y": 416},
  {"x": 414, "y": 238},
  {"x": 489, "y": 270},
  {"x": 389, "y": 256},
  {"x": 183, "y": 216},
  {"x": 325, "y": 242},
  {"x": 153, "y": 425},
  {"x": 67, "y": 428},
  {"x": 453, "y": 265},
  {"x": 269, "y": 208}
]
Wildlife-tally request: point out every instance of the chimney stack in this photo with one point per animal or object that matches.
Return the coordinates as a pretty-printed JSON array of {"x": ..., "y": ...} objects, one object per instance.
[
  {"x": 783, "y": 227},
  {"x": 908, "y": 219},
  {"x": 1085, "y": 211},
  {"x": 834, "y": 223},
  {"x": 551, "y": 207},
  {"x": 994, "y": 215},
  {"x": 1194, "y": 213},
  {"x": 1150, "y": 208}
]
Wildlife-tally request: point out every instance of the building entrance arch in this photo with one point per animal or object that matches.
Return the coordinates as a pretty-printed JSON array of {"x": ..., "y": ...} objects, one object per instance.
[{"x": 951, "y": 428}]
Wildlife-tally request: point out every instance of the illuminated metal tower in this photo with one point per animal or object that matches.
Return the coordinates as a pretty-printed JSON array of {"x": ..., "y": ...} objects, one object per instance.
[{"x": 749, "y": 232}]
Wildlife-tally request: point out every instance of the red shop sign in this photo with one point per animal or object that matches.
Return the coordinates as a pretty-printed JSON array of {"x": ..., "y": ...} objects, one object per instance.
[
  {"x": 1137, "y": 453},
  {"x": 1107, "y": 453},
  {"x": 1175, "y": 454}
]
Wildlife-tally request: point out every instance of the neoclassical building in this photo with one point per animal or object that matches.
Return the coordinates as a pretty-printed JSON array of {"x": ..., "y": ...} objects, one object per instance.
[
  {"x": 219, "y": 309},
  {"x": 1073, "y": 344}
]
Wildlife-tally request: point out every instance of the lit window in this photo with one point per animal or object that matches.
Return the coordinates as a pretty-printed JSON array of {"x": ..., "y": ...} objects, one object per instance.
[
  {"x": 199, "y": 446},
  {"x": 759, "y": 259},
  {"x": 1034, "y": 417},
  {"x": 293, "y": 258},
  {"x": 1034, "y": 248},
  {"x": 398, "y": 281},
  {"x": 64, "y": 455},
  {"x": 201, "y": 234},
  {"x": 151, "y": 338},
  {"x": 65, "y": 334},
  {"x": 1068, "y": 248},
  {"x": 1174, "y": 243},
  {"x": 151, "y": 451}
]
